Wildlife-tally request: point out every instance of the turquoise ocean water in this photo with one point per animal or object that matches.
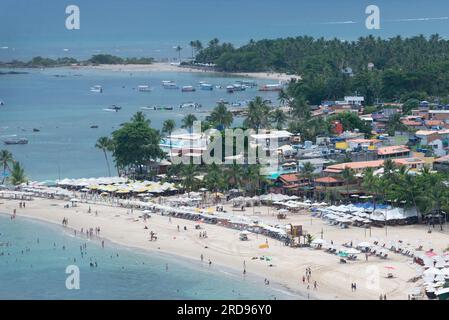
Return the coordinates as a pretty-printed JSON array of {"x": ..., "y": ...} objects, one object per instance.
[
  {"x": 33, "y": 264},
  {"x": 59, "y": 103}
]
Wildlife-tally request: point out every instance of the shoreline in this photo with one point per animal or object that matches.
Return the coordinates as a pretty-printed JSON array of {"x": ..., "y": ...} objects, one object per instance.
[
  {"x": 223, "y": 247},
  {"x": 219, "y": 267},
  {"x": 167, "y": 67},
  {"x": 222, "y": 270}
]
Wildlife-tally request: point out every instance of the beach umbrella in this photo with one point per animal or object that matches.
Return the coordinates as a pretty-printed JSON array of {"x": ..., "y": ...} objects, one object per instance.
[
  {"x": 364, "y": 245},
  {"x": 351, "y": 251},
  {"x": 319, "y": 241},
  {"x": 432, "y": 271},
  {"x": 74, "y": 200},
  {"x": 389, "y": 267}
]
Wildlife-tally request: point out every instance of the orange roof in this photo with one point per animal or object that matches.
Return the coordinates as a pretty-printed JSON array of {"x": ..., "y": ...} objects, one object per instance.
[
  {"x": 356, "y": 165},
  {"x": 289, "y": 177},
  {"x": 392, "y": 150},
  {"x": 444, "y": 159},
  {"x": 407, "y": 161},
  {"x": 363, "y": 140},
  {"x": 411, "y": 123},
  {"x": 336, "y": 168},
  {"x": 433, "y": 122},
  {"x": 327, "y": 180}
]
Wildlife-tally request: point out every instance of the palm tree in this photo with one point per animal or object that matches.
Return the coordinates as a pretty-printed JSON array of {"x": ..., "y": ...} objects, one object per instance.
[
  {"x": 188, "y": 121},
  {"x": 104, "y": 144},
  {"x": 178, "y": 49},
  {"x": 140, "y": 117},
  {"x": 6, "y": 159},
  {"x": 188, "y": 175},
  {"x": 17, "y": 174},
  {"x": 214, "y": 178},
  {"x": 234, "y": 174},
  {"x": 253, "y": 178},
  {"x": 348, "y": 177},
  {"x": 279, "y": 118},
  {"x": 258, "y": 114},
  {"x": 300, "y": 108},
  {"x": 167, "y": 128},
  {"x": 221, "y": 116}
]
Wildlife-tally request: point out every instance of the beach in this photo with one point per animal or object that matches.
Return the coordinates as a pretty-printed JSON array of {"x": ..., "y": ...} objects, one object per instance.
[
  {"x": 223, "y": 247},
  {"x": 168, "y": 67}
]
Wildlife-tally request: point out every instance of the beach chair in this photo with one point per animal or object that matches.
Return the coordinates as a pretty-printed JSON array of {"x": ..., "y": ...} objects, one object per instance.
[{"x": 342, "y": 261}]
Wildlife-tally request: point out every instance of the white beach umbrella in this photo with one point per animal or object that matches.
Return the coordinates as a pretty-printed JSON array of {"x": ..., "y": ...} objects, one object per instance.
[
  {"x": 364, "y": 245},
  {"x": 432, "y": 271},
  {"x": 319, "y": 241},
  {"x": 351, "y": 251}
]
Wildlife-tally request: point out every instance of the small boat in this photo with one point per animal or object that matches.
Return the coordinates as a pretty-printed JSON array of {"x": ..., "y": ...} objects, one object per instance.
[
  {"x": 2, "y": 103},
  {"x": 188, "y": 89},
  {"x": 94, "y": 126},
  {"x": 271, "y": 87},
  {"x": 247, "y": 83},
  {"x": 190, "y": 105},
  {"x": 114, "y": 108},
  {"x": 16, "y": 141},
  {"x": 168, "y": 84},
  {"x": 144, "y": 88},
  {"x": 235, "y": 87},
  {"x": 36, "y": 130},
  {"x": 148, "y": 108},
  {"x": 96, "y": 88},
  {"x": 206, "y": 86}
]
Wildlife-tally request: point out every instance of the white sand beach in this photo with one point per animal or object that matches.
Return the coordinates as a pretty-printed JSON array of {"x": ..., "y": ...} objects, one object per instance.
[
  {"x": 167, "y": 67},
  {"x": 223, "y": 247}
]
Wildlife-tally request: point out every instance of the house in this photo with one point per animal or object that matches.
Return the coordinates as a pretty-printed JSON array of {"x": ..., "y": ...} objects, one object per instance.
[
  {"x": 328, "y": 182},
  {"x": 442, "y": 164},
  {"x": 393, "y": 152},
  {"x": 270, "y": 139},
  {"x": 438, "y": 115},
  {"x": 354, "y": 100},
  {"x": 363, "y": 144},
  {"x": 360, "y": 166},
  {"x": 290, "y": 183},
  {"x": 318, "y": 164}
]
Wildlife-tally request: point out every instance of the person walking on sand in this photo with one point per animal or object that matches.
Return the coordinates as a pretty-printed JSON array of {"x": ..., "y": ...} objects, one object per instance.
[
  {"x": 202, "y": 257},
  {"x": 315, "y": 285}
]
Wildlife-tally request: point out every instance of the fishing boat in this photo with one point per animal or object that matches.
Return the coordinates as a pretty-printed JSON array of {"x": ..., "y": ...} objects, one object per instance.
[
  {"x": 168, "y": 84},
  {"x": 247, "y": 83},
  {"x": 271, "y": 87},
  {"x": 97, "y": 88},
  {"x": 206, "y": 86},
  {"x": 144, "y": 88},
  {"x": 235, "y": 87},
  {"x": 114, "y": 108},
  {"x": 190, "y": 105},
  {"x": 188, "y": 89},
  {"x": 16, "y": 141},
  {"x": 2, "y": 103}
]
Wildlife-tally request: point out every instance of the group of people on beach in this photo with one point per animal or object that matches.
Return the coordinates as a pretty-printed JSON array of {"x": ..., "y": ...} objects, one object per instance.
[{"x": 307, "y": 277}]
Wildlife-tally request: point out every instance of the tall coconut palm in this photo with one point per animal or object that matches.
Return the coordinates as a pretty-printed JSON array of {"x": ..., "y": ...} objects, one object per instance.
[
  {"x": 167, "y": 128},
  {"x": 279, "y": 118},
  {"x": 105, "y": 144},
  {"x": 140, "y": 117},
  {"x": 188, "y": 121},
  {"x": 178, "y": 49},
  {"x": 348, "y": 177},
  {"x": 6, "y": 159},
  {"x": 221, "y": 116},
  {"x": 17, "y": 174},
  {"x": 188, "y": 175},
  {"x": 258, "y": 114},
  {"x": 234, "y": 174},
  {"x": 213, "y": 179}
]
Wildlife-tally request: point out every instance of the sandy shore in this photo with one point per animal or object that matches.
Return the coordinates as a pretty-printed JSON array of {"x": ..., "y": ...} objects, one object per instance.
[
  {"x": 223, "y": 247},
  {"x": 167, "y": 67}
]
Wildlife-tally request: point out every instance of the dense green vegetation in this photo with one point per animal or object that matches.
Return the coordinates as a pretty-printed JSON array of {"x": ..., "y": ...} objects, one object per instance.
[
  {"x": 386, "y": 69},
  {"x": 12, "y": 171},
  {"x": 41, "y": 62}
]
